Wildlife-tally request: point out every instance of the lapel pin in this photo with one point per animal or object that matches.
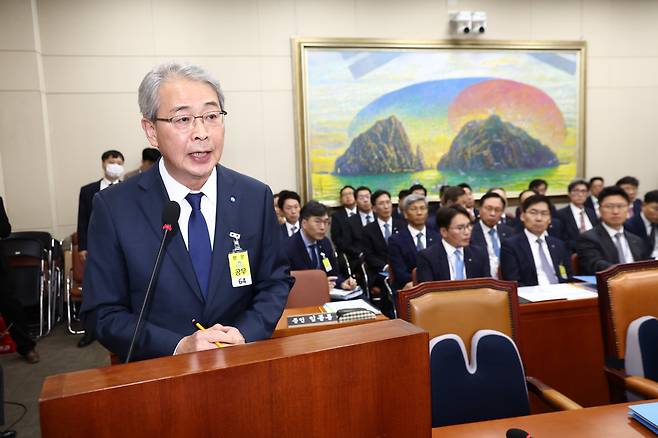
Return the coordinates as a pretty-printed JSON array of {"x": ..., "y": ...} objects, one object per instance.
[{"x": 232, "y": 198}]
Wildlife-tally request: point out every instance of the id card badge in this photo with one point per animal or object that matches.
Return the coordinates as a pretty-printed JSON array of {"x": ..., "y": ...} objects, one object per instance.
[
  {"x": 325, "y": 262},
  {"x": 238, "y": 263}
]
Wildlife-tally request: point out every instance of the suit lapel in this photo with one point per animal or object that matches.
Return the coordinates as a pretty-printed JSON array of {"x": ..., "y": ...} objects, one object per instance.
[
  {"x": 635, "y": 251},
  {"x": 608, "y": 245},
  {"x": 152, "y": 201},
  {"x": 525, "y": 247},
  {"x": 552, "y": 250},
  {"x": 468, "y": 261}
]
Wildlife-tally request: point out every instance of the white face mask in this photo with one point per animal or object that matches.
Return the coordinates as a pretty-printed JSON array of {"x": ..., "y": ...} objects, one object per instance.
[{"x": 113, "y": 170}]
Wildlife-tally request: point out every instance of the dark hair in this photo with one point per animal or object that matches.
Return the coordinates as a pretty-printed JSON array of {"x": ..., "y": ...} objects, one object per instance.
[
  {"x": 465, "y": 186},
  {"x": 650, "y": 197},
  {"x": 612, "y": 191},
  {"x": 536, "y": 183},
  {"x": 112, "y": 154},
  {"x": 535, "y": 199},
  {"x": 418, "y": 186},
  {"x": 595, "y": 178},
  {"x": 442, "y": 190},
  {"x": 403, "y": 194},
  {"x": 444, "y": 215},
  {"x": 453, "y": 193},
  {"x": 490, "y": 195},
  {"x": 151, "y": 154},
  {"x": 347, "y": 187},
  {"x": 377, "y": 194},
  {"x": 628, "y": 180},
  {"x": 578, "y": 182},
  {"x": 285, "y": 195},
  {"x": 361, "y": 188},
  {"x": 313, "y": 209}
]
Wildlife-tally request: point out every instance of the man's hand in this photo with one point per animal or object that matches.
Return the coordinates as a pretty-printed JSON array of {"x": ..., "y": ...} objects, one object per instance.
[
  {"x": 205, "y": 339},
  {"x": 332, "y": 281},
  {"x": 348, "y": 284},
  {"x": 83, "y": 255}
]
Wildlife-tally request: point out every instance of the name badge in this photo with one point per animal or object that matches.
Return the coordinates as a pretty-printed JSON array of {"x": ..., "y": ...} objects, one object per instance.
[
  {"x": 238, "y": 263},
  {"x": 563, "y": 271},
  {"x": 325, "y": 262}
]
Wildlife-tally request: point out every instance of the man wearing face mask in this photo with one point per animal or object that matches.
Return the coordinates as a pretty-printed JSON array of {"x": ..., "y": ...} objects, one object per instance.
[{"x": 112, "y": 172}]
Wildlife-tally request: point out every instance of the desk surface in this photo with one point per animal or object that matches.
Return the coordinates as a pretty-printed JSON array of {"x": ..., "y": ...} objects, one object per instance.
[
  {"x": 282, "y": 329},
  {"x": 600, "y": 421}
]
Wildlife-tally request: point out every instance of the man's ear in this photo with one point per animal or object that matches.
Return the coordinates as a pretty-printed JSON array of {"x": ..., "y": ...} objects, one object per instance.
[
  {"x": 443, "y": 232},
  {"x": 149, "y": 130}
]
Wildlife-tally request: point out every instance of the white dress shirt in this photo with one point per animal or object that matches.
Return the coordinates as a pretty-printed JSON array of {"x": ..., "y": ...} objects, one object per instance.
[
  {"x": 177, "y": 192},
  {"x": 292, "y": 228},
  {"x": 350, "y": 211},
  {"x": 595, "y": 202},
  {"x": 105, "y": 183},
  {"x": 576, "y": 211},
  {"x": 493, "y": 260},
  {"x": 452, "y": 258},
  {"x": 624, "y": 243},
  {"x": 381, "y": 226},
  {"x": 647, "y": 228},
  {"x": 542, "y": 279},
  {"x": 414, "y": 232},
  {"x": 365, "y": 221}
]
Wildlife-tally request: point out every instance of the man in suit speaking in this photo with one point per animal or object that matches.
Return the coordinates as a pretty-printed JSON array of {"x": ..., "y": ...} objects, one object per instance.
[{"x": 225, "y": 216}]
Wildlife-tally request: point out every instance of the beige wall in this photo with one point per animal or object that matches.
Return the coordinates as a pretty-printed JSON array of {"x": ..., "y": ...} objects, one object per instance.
[{"x": 70, "y": 70}]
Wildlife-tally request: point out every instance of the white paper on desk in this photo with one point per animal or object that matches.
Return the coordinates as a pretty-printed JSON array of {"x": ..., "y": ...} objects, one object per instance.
[
  {"x": 335, "y": 306},
  {"x": 561, "y": 291},
  {"x": 341, "y": 294}
]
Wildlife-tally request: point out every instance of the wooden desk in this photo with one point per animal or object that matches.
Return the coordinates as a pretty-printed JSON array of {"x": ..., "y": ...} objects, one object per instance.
[
  {"x": 602, "y": 421},
  {"x": 561, "y": 344},
  {"x": 282, "y": 329}
]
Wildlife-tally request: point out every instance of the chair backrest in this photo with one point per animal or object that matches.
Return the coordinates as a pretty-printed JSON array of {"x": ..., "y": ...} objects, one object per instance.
[
  {"x": 626, "y": 293},
  {"x": 311, "y": 288},
  {"x": 77, "y": 265},
  {"x": 22, "y": 252},
  {"x": 575, "y": 264},
  {"x": 641, "y": 357},
  {"x": 462, "y": 307}
]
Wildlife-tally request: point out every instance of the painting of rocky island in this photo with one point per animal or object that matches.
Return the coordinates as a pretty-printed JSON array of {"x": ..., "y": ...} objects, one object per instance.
[{"x": 391, "y": 118}]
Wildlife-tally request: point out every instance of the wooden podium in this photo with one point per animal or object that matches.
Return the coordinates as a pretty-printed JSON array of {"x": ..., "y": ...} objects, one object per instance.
[{"x": 366, "y": 380}]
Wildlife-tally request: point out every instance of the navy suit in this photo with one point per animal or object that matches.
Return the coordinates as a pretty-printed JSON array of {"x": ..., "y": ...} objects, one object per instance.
[
  {"x": 433, "y": 263},
  {"x": 403, "y": 255},
  {"x": 124, "y": 237},
  {"x": 637, "y": 207},
  {"x": 353, "y": 238},
  {"x": 299, "y": 258},
  {"x": 518, "y": 264},
  {"x": 596, "y": 250},
  {"x": 374, "y": 245},
  {"x": 339, "y": 228},
  {"x": 477, "y": 235},
  {"x": 571, "y": 230},
  {"x": 87, "y": 193}
]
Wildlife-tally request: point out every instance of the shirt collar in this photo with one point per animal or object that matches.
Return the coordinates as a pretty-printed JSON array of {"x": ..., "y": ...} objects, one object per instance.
[
  {"x": 177, "y": 191},
  {"x": 350, "y": 211},
  {"x": 450, "y": 250},
  {"x": 307, "y": 240},
  {"x": 647, "y": 222},
  {"x": 485, "y": 227},
  {"x": 381, "y": 222},
  {"x": 611, "y": 231},
  {"x": 575, "y": 209},
  {"x": 414, "y": 232},
  {"x": 533, "y": 238}
]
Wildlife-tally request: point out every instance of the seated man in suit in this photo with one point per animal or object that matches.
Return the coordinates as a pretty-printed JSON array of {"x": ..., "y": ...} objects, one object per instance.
[
  {"x": 470, "y": 201},
  {"x": 607, "y": 243},
  {"x": 533, "y": 257},
  {"x": 311, "y": 249},
  {"x": 397, "y": 212},
  {"x": 226, "y": 218},
  {"x": 555, "y": 227},
  {"x": 339, "y": 216},
  {"x": 505, "y": 219},
  {"x": 645, "y": 224},
  {"x": 289, "y": 203},
  {"x": 404, "y": 245},
  {"x": 576, "y": 217},
  {"x": 488, "y": 231},
  {"x": 377, "y": 233},
  {"x": 112, "y": 172},
  {"x": 630, "y": 184},
  {"x": 596, "y": 184},
  {"x": 453, "y": 258}
]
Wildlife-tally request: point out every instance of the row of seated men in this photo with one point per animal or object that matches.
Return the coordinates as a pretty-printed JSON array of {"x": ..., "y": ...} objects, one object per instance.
[{"x": 460, "y": 241}]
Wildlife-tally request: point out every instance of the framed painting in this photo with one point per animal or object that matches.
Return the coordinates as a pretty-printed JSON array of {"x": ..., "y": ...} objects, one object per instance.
[{"x": 388, "y": 114}]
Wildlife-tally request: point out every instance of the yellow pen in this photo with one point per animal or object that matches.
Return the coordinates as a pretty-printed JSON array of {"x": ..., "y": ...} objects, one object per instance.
[{"x": 200, "y": 327}]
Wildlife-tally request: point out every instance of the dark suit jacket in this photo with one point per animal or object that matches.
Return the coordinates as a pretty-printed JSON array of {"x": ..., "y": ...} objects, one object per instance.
[
  {"x": 339, "y": 228},
  {"x": 353, "y": 238},
  {"x": 84, "y": 211},
  {"x": 299, "y": 258},
  {"x": 590, "y": 204},
  {"x": 433, "y": 263},
  {"x": 403, "y": 255},
  {"x": 637, "y": 207},
  {"x": 124, "y": 237},
  {"x": 596, "y": 250},
  {"x": 517, "y": 263},
  {"x": 571, "y": 231},
  {"x": 375, "y": 247},
  {"x": 477, "y": 235},
  {"x": 555, "y": 229}
]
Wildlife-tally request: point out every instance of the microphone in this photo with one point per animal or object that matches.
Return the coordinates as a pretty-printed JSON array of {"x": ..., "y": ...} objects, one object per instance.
[
  {"x": 517, "y": 433},
  {"x": 170, "y": 215}
]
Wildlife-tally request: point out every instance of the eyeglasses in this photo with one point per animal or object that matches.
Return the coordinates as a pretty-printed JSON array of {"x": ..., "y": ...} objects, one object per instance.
[
  {"x": 544, "y": 213},
  {"x": 184, "y": 122},
  {"x": 491, "y": 209},
  {"x": 463, "y": 227},
  {"x": 614, "y": 206}
]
